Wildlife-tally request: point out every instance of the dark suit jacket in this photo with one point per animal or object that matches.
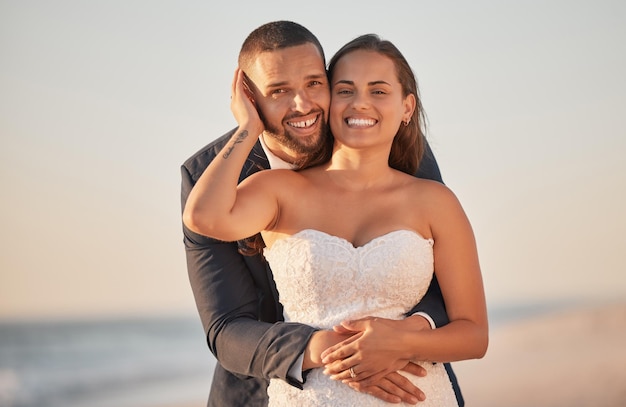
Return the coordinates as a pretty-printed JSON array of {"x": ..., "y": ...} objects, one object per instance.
[{"x": 238, "y": 302}]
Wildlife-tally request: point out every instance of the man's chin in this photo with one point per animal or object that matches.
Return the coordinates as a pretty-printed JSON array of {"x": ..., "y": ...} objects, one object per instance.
[
  {"x": 309, "y": 147},
  {"x": 299, "y": 143}
]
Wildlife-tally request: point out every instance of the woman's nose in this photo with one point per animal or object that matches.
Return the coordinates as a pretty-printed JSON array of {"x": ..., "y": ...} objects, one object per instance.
[{"x": 360, "y": 100}]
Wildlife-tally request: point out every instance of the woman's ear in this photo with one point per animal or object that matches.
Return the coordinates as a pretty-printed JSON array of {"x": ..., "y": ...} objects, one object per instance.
[{"x": 409, "y": 107}]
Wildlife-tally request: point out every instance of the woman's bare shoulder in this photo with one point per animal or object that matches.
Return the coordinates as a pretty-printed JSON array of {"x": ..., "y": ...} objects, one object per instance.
[
  {"x": 432, "y": 193},
  {"x": 428, "y": 186}
]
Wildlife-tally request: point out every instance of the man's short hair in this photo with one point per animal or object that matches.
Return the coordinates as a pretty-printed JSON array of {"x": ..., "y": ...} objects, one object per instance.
[{"x": 274, "y": 36}]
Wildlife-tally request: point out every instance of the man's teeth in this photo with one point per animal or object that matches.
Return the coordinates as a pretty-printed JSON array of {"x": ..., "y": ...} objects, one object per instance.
[
  {"x": 361, "y": 122},
  {"x": 304, "y": 123}
]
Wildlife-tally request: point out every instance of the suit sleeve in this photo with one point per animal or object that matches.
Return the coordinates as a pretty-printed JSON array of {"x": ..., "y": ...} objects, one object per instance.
[
  {"x": 432, "y": 303},
  {"x": 228, "y": 301}
]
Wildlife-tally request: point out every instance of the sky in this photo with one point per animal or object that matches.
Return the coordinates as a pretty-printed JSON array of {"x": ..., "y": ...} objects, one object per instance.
[{"x": 101, "y": 101}]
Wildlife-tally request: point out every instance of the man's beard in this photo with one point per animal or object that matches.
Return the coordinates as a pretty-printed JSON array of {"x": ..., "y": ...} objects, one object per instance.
[{"x": 302, "y": 146}]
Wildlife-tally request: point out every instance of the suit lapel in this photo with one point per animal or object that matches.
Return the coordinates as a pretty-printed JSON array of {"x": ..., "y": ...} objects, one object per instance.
[{"x": 257, "y": 161}]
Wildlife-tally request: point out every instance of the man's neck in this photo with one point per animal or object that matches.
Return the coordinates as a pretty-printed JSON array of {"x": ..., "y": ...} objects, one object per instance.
[
  {"x": 275, "y": 155},
  {"x": 285, "y": 154}
]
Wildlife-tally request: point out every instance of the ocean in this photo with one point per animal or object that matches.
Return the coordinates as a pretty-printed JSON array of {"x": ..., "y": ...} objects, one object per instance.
[
  {"x": 105, "y": 363},
  {"x": 142, "y": 362}
]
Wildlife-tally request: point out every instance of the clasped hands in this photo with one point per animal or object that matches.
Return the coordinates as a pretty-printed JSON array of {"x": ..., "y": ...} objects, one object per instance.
[{"x": 365, "y": 355}]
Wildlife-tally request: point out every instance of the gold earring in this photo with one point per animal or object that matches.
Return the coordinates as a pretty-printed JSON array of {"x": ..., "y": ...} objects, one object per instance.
[{"x": 406, "y": 122}]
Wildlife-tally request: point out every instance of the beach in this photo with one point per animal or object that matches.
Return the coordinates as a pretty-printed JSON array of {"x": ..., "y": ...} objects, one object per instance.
[
  {"x": 573, "y": 357},
  {"x": 541, "y": 356}
]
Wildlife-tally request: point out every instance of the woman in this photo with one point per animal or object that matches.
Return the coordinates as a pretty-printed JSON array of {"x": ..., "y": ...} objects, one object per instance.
[{"x": 355, "y": 234}]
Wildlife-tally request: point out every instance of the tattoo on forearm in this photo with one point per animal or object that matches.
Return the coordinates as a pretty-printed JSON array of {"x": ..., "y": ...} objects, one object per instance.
[{"x": 238, "y": 139}]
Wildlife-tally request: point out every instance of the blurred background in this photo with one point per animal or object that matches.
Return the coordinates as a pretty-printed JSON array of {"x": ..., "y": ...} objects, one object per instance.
[{"x": 100, "y": 103}]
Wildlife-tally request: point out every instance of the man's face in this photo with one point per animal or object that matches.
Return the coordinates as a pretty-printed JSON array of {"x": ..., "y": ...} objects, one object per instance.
[{"x": 292, "y": 95}]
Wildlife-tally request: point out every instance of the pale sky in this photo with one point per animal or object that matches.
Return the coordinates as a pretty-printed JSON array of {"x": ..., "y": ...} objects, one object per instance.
[{"x": 101, "y": 101}]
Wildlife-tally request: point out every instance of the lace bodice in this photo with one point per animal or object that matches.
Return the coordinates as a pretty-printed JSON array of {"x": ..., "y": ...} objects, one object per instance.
[{"x": 323, "y": 279}]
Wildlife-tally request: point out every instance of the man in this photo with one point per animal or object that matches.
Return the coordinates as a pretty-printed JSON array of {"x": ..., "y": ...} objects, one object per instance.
[{"x": 235, "y": 294}]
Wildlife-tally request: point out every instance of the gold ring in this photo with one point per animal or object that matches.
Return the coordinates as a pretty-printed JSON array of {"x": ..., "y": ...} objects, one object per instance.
[{"x": 352, "y": 374}]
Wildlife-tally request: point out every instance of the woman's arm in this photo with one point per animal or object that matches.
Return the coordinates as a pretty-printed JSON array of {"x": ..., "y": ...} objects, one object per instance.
[
  {"x": 432, "y": 303},
  {"x": 389, "y": 343},
  {"x": 458, "y": 271}
]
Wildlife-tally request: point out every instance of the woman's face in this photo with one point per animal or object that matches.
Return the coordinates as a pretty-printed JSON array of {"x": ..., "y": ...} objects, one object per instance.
[{"x": 367, "y": 105}]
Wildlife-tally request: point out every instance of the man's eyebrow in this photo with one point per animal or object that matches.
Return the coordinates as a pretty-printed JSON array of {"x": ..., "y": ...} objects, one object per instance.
[
  {"x": 316, "y": 76},
  {"x": 277, "y": 84},
  {"x": 308, "y": 78}
]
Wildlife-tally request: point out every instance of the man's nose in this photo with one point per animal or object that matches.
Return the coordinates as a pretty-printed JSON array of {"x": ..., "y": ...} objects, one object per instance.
[{"x": 302, "y": 102}]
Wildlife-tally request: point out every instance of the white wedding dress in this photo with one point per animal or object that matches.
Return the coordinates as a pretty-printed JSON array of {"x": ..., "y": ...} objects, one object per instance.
[{"x": 323, "y": 280}]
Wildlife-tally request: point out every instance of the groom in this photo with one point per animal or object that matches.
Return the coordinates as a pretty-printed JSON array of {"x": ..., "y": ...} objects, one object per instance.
[{"x": 235, "y": 294}]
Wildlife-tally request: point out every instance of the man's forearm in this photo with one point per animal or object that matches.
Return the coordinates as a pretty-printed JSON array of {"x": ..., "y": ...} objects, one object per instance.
[
  {"x": 259, "y": 349},
  {"x": 228, "y": 304}
]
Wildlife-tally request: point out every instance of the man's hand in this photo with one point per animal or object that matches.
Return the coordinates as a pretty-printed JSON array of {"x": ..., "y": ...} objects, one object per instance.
[
  {"x": 394, "y": 388},
  {"x": 388, "y": 385},
  {"x": 320, "y": 341},
  {"x": 243, "y": 105}
]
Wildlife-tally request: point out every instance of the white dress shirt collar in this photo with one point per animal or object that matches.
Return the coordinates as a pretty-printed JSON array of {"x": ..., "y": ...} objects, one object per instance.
[{"x": 274, "y": 160}]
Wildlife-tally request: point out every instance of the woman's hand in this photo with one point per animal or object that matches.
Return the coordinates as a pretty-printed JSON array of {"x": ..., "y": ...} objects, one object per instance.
[
  {"x": 242, "y": 104},
  {"x": 392, "y": 387},
  {"x": 373, "y": 350}
]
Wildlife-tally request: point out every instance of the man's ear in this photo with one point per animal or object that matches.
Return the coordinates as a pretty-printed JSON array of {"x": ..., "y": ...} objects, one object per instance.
[{"x": 249, "y": 88}]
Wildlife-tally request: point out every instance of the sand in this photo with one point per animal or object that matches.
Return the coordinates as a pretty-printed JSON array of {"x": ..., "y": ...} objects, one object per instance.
[
  {"x": 572, "y": 358},
  {"x": 568, "y": 358}
]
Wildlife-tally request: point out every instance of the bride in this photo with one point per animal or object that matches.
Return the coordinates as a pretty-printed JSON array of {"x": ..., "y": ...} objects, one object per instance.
[{"x": 354, "y": 233}]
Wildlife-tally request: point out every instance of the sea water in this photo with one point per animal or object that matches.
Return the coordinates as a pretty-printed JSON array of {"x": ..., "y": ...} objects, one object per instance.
[
  {"x": 111, "y": 363},
  {"x": 146, "y": 362}
]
